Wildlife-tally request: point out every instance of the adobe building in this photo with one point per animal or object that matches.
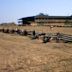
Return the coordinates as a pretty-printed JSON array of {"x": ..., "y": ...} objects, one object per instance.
[{"x": 46, "y": 20}]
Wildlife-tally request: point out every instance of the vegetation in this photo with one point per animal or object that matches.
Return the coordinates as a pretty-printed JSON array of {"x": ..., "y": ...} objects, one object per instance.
[
  {"x": 68, "y": 23},
  {"x": 8, "y": 24},
  {"x": 21, "y": 54}
]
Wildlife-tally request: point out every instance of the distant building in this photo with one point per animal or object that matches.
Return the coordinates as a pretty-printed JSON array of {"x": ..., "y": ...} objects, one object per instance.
[{"x": 43, "y": 19}]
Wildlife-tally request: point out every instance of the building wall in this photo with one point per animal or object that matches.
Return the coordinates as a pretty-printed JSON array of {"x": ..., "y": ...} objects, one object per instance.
[
  {"x": 34, "y": 24},
  {"x": 59, "y": 22}
]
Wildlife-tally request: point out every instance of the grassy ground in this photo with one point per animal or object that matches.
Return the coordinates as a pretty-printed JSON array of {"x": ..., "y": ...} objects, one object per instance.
[
  {"x": 21, "y": 54},
  {"x": 43, "y": 29}
]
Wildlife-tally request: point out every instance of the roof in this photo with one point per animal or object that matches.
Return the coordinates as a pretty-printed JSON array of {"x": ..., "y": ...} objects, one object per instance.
[
  {"x": 41, "y": 15},
  {"x": 27, "y": 18},
  {"x": 52, "y": 17}
]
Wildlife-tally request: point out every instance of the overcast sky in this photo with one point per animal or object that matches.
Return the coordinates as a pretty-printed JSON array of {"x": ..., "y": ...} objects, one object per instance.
[{"x": 11, "y": 10}]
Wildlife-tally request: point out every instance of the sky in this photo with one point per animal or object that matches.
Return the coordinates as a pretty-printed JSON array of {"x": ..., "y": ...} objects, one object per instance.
[{"x": 12, "y": 10}]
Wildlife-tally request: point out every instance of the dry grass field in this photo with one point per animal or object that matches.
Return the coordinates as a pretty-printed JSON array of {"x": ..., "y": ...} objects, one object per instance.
[
  {"x": 45, "y": 29},
  {"x": 21, "y": 54}
]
